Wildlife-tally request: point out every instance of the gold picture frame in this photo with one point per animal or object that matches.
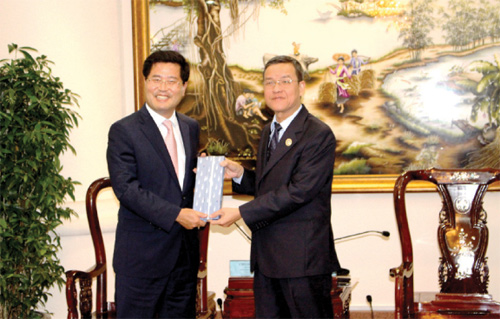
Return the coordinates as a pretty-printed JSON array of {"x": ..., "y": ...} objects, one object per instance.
[{"x": 368, "y": 183}]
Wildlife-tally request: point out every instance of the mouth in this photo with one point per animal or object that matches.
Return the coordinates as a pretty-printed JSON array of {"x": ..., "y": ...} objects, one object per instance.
[
  {"x": 162, "y": 97},
  {"x": 277, "y": 98}
]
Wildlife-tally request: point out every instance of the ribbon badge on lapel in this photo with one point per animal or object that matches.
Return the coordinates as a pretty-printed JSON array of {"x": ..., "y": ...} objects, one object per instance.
[{"x": 288, "y": 142}]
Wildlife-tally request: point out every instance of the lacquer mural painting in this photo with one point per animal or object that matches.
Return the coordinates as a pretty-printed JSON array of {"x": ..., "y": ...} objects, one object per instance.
[{"x": 408, "y": 84}]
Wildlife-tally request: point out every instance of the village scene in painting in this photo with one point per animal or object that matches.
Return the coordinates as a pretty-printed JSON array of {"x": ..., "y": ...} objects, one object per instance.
[{"x": 408, "y": 84}]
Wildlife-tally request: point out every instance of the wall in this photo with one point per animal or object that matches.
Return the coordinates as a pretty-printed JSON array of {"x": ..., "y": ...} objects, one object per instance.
[{"x": 90, "y": 43}]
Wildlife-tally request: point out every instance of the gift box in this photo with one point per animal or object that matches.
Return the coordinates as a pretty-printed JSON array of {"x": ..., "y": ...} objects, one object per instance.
[{"x": 209, "y": 184}]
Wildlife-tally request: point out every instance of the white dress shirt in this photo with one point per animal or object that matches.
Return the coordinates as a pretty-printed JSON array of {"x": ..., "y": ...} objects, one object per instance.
[{"x": 181, "y": 153}]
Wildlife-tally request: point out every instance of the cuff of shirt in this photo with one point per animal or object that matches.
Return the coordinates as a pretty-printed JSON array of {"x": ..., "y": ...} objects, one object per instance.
[{"x": 237, "y": 180}]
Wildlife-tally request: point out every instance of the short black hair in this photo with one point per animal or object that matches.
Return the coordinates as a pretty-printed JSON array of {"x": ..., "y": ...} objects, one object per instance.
[
  {"x": 167, "y": 56},
  {"x": 287, "y": 59}
]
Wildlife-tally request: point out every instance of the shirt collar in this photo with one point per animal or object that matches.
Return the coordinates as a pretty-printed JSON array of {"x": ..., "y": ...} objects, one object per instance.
[
  {"x": 158, "y": 119},
  {"x": 286, "y": 123}
]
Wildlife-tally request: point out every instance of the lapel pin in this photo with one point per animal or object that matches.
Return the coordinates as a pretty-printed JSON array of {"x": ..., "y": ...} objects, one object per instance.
[{"x": 288, "y": 142}]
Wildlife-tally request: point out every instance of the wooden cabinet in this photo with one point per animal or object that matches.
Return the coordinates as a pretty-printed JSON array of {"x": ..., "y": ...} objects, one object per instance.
[{"x": 239, "y": 301}]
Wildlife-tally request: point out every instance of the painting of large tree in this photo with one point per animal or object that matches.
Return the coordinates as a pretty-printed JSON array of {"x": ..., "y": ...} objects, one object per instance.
[{"x": 216, "y": 92}]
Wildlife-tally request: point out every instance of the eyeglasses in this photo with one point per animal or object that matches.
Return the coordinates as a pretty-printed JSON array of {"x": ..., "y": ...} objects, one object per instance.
[
  {"x": 170, "y": 83},
  {"x": 283, "y": 83}
]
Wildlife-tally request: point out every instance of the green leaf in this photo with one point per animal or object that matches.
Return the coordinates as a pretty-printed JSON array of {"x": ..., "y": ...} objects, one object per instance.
[
  {"x": 12, "y": 47},
  {"x": 27, "y": 55},
  {"x": 482, "y": 66},
  {"x": 3, "y": 223},
  {"x": 28, "y": 48},
  {"x": 486, "y": 81}
]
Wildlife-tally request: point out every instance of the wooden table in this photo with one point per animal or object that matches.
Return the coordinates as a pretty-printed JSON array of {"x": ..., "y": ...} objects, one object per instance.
[{"x": 239, "y": 301}]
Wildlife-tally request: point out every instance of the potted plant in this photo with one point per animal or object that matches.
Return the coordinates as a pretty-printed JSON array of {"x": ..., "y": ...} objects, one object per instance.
[
  {"x": 217, "y": 147},
  {"x": 35, "y": 122}
]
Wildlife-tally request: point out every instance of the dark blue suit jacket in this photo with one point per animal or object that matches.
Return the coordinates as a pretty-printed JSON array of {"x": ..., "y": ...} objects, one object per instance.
[
  {"x": 148, "y": 239},
  {"x": 290, "y": 217}
]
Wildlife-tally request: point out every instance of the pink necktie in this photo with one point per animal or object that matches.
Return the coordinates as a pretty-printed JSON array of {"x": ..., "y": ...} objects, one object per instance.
[{"x": 171, "y": 144}]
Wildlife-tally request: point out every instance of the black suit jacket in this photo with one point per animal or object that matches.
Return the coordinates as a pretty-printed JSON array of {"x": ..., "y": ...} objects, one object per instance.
[
  {"x": 148, "y": 239},
  {"x": 290, "y": 217}
]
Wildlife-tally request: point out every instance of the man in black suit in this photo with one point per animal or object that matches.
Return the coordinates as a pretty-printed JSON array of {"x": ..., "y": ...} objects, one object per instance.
[
  {"x": 151, "y": 156},
  {"x": 293, "y": 254}
]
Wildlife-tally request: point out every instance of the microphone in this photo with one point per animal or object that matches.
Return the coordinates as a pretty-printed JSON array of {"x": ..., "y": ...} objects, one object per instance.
[
  {"x": 242, "y": 231},
  {"x": 219, "y": 302},
  {"x": 369, "y": 299},
  {"x": 384, "y": 233}
]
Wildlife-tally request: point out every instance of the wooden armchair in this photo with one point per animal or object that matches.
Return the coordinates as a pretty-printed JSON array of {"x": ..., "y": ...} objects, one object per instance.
[
  {"x": 463, "y": 240},
  {"x": 103, "y": 308}
]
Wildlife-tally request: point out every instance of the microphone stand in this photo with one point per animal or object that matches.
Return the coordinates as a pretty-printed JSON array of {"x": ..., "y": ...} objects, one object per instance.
[
  {"x": 344, "y": 271},
  {"x": 369, "y": 299},
  {"x": 243, "y": 232},
  {"x": 384, "y": 233},
  {"x": 219, "y": 302}
]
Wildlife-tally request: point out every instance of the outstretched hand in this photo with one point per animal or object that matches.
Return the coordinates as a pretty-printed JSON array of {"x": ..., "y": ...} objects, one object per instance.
[
  {"x": 232, "y": 169},
  {"x": 227, "y": 216}
]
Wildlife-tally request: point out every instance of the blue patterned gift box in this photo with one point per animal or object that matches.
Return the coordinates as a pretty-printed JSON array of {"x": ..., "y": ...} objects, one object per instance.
[{"x": 209, "y": 184}]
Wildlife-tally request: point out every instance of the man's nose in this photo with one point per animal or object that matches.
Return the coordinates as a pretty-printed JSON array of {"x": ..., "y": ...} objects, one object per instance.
[{"x": 277, "y": 87}]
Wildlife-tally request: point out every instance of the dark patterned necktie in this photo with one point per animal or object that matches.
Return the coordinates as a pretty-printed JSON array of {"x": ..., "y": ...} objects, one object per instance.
[{"x": 274, "y": 140}]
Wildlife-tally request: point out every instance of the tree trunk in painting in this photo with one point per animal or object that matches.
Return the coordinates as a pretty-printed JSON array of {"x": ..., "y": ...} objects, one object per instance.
[{"x": 218, "y": 94}]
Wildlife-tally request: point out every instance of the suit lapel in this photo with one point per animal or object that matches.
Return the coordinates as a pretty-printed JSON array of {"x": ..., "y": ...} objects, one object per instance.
[
  {"x": 186, "y": 139},
  {"x": 287, "y": 142},
  {"x": 149, "y": 128},
  {"x": 261, "y": 159}
]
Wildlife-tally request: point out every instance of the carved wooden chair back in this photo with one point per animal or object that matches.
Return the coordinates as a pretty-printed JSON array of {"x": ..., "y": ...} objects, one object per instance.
[
  {"x": 205, "y": 303},
  {"x": 463, "y": 241},
  {"x": 97, "y": 272}
]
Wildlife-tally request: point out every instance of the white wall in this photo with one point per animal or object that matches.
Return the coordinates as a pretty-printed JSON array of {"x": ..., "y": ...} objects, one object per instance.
[{"x": 90, "y": 43}]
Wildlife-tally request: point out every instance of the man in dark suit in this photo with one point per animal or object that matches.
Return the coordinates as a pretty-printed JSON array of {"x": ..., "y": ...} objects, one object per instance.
[
  {"x": 292, "y": 254},
  {"x": 151, "y": 156}
]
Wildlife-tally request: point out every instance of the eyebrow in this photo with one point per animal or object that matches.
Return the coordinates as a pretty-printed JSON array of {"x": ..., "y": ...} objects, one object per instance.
[
  {"x": 170, "y": 77},
  {"x": 283, "y": 77}
]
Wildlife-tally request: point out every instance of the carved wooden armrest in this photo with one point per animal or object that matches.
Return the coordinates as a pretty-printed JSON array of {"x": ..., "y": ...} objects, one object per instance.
[
  {"x": 202, "y": 271},
  {"x": 405, "y": 270},
  {"x": 404, "y": 298},
  {"x": 85, "y": 278}
]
